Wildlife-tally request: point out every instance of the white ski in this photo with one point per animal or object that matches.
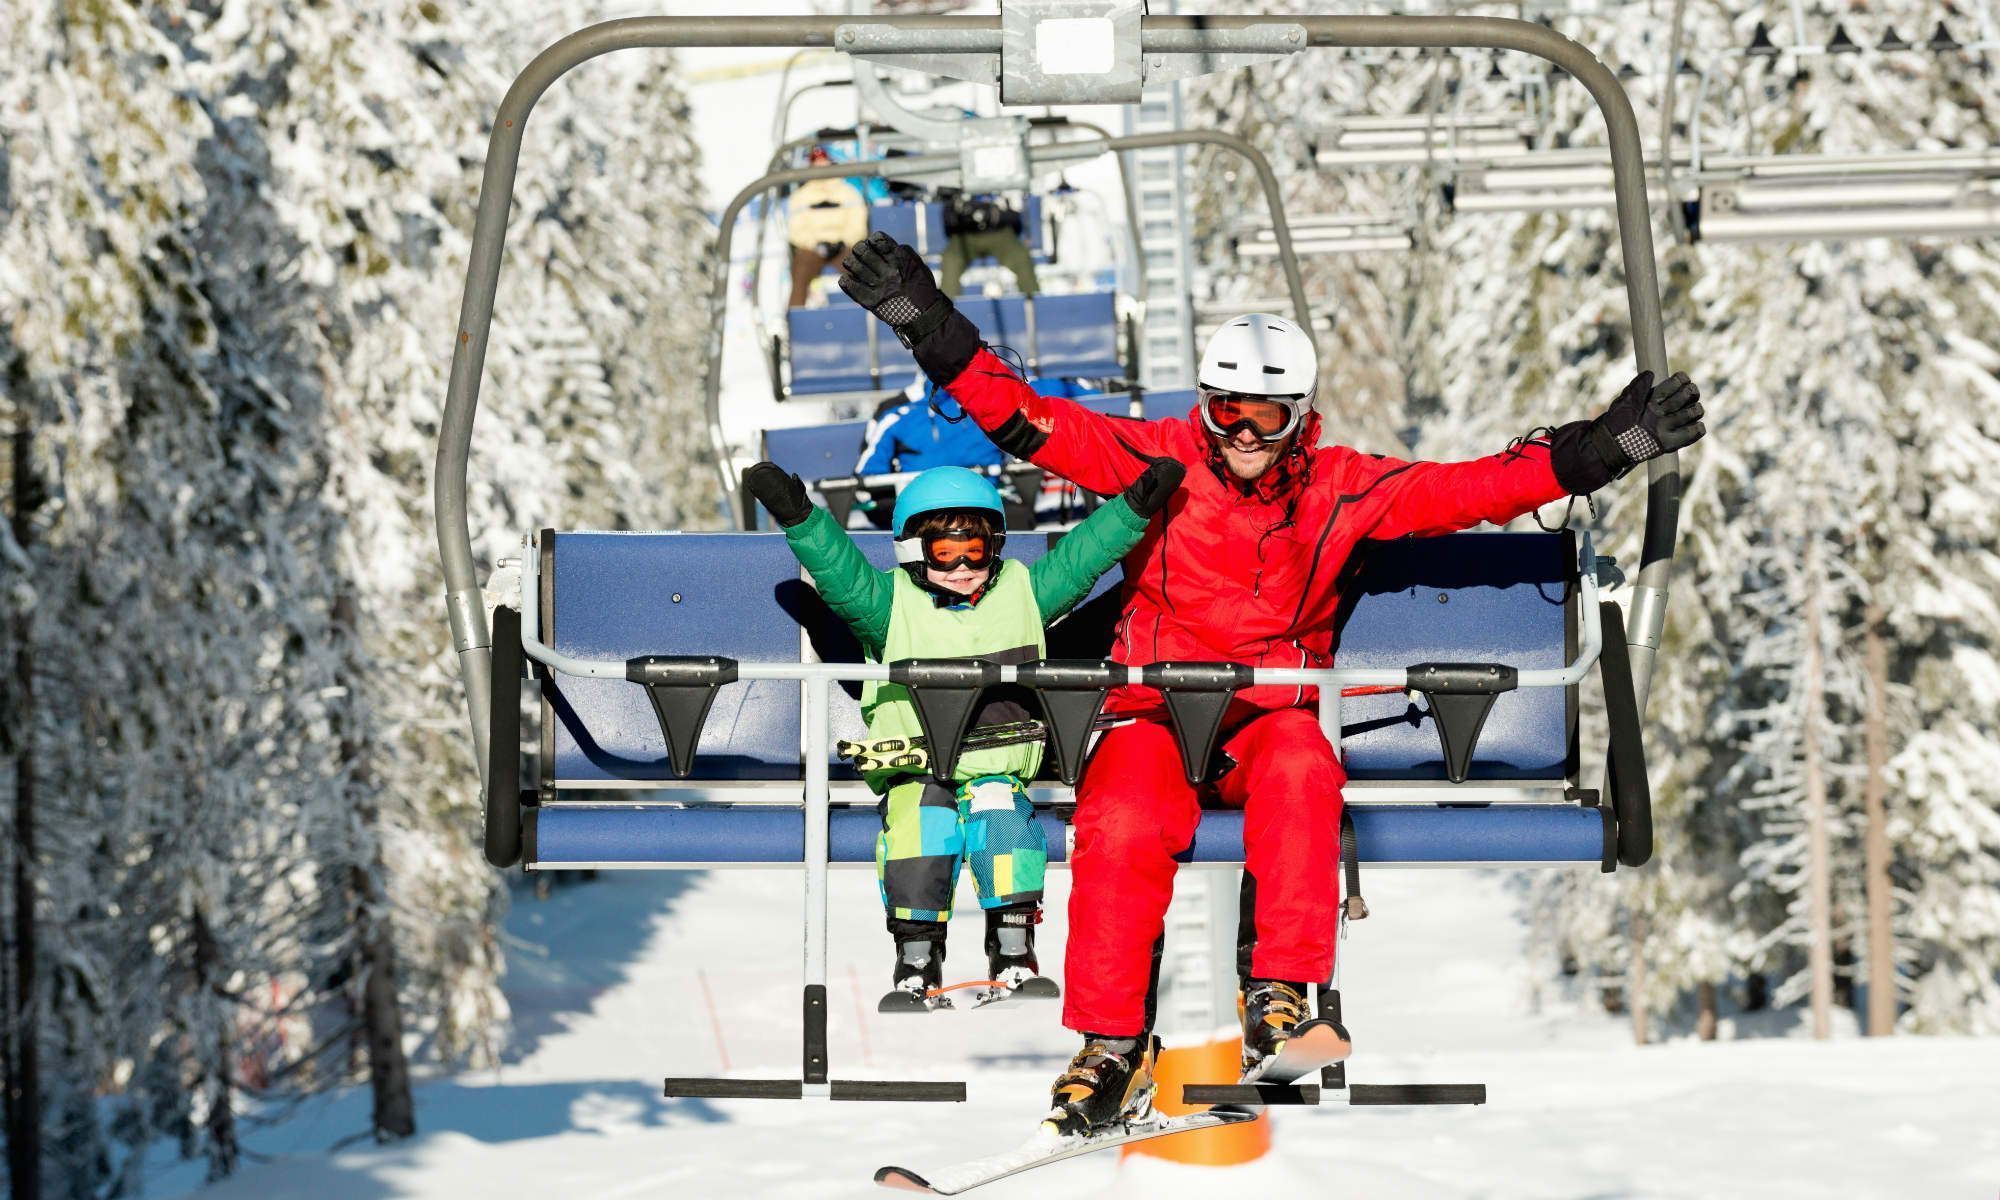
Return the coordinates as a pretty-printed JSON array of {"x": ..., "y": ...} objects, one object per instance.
[
  {"x": 1045, "y": 1147},
  {"x": 1313, "y": 1045}
]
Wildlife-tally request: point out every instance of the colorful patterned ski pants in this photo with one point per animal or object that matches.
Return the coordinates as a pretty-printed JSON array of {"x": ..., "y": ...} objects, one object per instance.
[{"x": 927, "y": 831}]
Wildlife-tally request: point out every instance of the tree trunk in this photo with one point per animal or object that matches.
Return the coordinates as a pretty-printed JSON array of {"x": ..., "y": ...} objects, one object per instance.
[
  {"x": 1705, "y": 1020},
  {"x": 388, "y": 1068},
  {"x": 1756, "y": 992},
  {"x": 1819, "y": 882},
  {"x": 209, "y": 973},
  {"x": 24, "y": 1069},
  {"x": 1875, "y": 843},
  {"x": 381, "y": 1013},
  {"x": 1843, "y": 973},
  {"x": 1635, "y": 981}
]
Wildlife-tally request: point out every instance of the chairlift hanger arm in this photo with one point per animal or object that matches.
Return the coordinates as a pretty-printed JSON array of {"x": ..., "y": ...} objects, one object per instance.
[{"x": 1158, "y": 34}]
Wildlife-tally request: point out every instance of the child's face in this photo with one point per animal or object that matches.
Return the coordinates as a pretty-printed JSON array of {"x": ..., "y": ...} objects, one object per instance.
[{"x": 962, "y": 579}]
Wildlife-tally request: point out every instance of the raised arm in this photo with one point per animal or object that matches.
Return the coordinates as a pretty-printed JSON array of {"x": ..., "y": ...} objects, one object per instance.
[
  {"x": 1072, "y": 566},
  {"x": 1576, "y": 459},
  {"x": 851, "y": 586},
  {"x": 1104, "y": 454}
]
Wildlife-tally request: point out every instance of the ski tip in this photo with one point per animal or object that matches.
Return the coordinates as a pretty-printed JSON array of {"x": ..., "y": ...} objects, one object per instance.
[
  {"x": 1038, "y": 988},
  {"x": 1322, "y": 1036},
  {"x": 902, "y": 1180},
  {"x": 902, "y": 1002}
]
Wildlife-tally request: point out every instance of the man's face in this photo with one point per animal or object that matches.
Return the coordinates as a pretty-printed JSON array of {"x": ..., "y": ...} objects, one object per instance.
[{"x": 1246, "y": 458}]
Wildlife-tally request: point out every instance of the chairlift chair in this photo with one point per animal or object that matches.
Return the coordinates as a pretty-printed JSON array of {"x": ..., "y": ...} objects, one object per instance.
[{"x": 669, "y": 660}]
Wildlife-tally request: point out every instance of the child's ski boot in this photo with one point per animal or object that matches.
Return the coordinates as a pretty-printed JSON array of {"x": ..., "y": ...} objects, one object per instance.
[
  {"x": 919, "y": 972},
  {"x": 1010, "y": 956},
  {"x": 1109, "y": 1084}
]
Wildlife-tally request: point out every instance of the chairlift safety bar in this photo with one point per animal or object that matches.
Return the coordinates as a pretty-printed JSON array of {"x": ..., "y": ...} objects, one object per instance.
[{"x": 1329, "y": 680}]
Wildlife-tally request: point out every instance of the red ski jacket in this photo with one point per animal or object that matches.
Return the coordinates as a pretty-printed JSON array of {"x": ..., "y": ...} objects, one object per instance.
[{"x": 1230, "y": 576}]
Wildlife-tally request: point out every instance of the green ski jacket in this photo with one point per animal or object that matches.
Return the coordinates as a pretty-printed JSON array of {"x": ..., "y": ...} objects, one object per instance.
[{"x": 888, "y": 612}]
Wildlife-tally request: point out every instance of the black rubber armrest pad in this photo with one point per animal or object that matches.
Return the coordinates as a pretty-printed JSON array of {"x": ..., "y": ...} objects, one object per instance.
[
  {"x": 677, "y": 670},
  {"x": 1068, "y": 673},
  {"x": 1462, "y": 679},
  {"x": 1197, "y": 676},
  {"x": 944, "y": 672}
]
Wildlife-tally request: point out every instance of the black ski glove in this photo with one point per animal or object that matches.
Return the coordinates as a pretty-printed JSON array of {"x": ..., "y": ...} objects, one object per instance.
[
  {"x": 784, "y": 494},
  {"x": 1150, "y": 492},
  {"x": 890, "y": 280},
  {"x": 1644, "y": 422}
]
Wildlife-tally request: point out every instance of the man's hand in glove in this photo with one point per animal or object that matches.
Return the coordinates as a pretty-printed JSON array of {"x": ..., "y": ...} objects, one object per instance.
[
  {"x": 890, "y": 280},
  {"x": 1645, "y": 421},
  {"x": 1150, "y": 492},
  {"x": 780, "y": 492}
]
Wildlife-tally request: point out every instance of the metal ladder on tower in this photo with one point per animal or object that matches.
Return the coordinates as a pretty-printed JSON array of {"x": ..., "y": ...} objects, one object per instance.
[{"x": 1166, "y": 334}]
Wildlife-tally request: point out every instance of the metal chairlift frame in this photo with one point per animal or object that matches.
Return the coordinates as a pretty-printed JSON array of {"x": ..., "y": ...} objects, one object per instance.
[
  {"x": 1170, "y": 47},
  {"x": 981, "y": 36}
]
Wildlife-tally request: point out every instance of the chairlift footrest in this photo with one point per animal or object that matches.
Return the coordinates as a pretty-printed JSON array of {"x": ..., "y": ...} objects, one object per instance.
[
  {"x": 1250, "y": 1093},
  {"x": 1416, "y": 1093},
  {"x": 839, "y": 1089}
]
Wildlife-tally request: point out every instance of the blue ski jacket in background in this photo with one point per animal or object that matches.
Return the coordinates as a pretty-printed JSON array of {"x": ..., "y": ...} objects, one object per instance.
[{"x": 910, "y": 437}]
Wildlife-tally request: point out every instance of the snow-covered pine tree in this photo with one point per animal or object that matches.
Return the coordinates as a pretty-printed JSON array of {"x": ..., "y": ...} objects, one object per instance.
[
  {"x": 233, "y": 245},
  {"x": 1833, "y": 386},
  {"x": 1282, "y": 108},
  {"x": 1849, "y": 384},
  {"x": 181, "y": 637}
]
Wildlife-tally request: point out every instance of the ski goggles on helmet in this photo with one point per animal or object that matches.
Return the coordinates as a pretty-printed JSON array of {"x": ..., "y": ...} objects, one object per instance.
[
  {"x": 951, "y": 548},
  {"x": 1268, "y": 418}
]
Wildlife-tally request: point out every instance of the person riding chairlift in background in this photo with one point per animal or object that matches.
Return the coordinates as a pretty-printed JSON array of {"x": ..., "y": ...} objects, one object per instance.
[
  {"x": 925, "y": 430},
  {"x": 977, "y": 227},
  {"x": 826, "y": 217}
]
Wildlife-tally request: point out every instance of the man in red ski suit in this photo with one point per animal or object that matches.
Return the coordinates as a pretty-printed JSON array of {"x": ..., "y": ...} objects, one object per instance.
[{"x": 1243, "y": 566}]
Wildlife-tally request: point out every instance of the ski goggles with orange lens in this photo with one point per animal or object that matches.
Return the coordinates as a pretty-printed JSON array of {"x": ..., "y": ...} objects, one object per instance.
[
  {"x": 1269, "y": 418},
  {"x": 958, "y": 547}
]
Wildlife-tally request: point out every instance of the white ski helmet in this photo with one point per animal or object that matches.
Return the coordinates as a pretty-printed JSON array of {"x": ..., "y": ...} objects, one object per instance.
[{"x": 1260, "y": 355}]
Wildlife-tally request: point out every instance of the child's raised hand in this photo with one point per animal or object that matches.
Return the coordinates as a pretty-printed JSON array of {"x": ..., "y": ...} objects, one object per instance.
[
  {"x": 784, "y": 494},
  {"x": 1150, "y": 492}
]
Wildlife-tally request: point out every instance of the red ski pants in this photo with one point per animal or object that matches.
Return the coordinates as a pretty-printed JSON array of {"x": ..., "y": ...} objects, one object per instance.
[{"x": 1135, "y": 810}]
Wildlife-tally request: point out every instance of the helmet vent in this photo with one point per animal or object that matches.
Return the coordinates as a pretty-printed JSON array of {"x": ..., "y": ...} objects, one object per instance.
[
  {"x": 1271, "y": 370},
  {"x": 1229, "y": 366}
]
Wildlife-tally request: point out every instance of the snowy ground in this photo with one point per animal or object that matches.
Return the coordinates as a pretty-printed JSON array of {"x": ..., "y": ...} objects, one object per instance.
[{"x": 620, "y": 982}]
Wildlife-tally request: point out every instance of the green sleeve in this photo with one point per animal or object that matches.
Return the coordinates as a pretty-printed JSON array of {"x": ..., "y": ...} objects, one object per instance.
[
  {"x": 1067, "y": 572},
  {"x": 851, "y": 586}
]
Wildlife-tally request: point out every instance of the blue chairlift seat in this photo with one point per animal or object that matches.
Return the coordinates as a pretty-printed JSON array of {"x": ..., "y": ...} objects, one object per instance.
[
  {"x": 1168, "y": 405},
  {"x": 1493, "y": 597},
  {"x": 840, "y": 348},
  {"x": 817, "y": 451}
]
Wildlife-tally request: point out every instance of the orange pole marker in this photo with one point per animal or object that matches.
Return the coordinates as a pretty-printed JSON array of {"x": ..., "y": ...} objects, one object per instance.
[{"x": 1225, "y": 1146}]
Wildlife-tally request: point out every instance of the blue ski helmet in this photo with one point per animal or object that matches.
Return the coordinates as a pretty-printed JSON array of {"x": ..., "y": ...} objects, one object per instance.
[{"x": 942, "y": 488}]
